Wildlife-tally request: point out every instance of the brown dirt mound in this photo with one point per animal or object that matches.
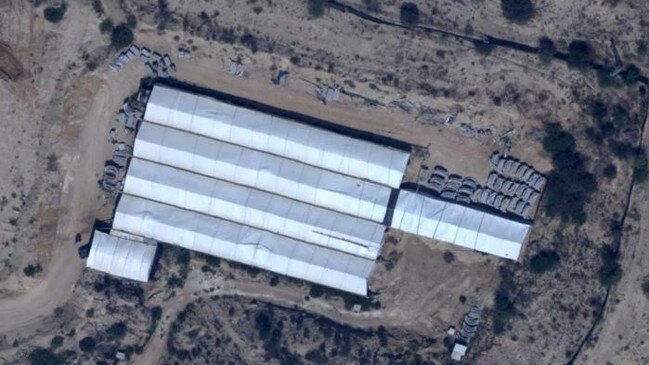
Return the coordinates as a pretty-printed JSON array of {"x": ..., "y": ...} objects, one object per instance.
[{"x": 10, "y": 67}]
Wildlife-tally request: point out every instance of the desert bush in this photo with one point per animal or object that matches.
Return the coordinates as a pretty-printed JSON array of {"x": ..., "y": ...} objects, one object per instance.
[
  {"x": 372, "y": 5},
  {"x": 604, "y": 78},
  {"x": 484, "y": 48},
  {"x": 31, "y": 270},
  {"x": 519, "y": 11},
  {"x": 610, "y": 271},
  {"x": 503, "y": 310},
  {"x": 640, "y": 170},
  {"x": 631, "y": 75},
  {"x": 645, "y": 286},
  {"x": 131, "y": 21},
  {"x": 56, "y": 342},
  {"x": 579, "y": 54},
  {"x": 544, "y": 261},
  {"x": 546, "y": 50},
  {"x": 610, "y": 171},
  {"x": 98, "y": 7},
  {"x": 87, "y": 344},
  {"x": 316, "y": 8},
  {"x": 117, "y": 331},
  {"x": 121, "y": 36},
  {"x": 448, "y": 256},
  {"x": 54, "y": 14},
  {"x": 569, "y": 183},
  {"x": 106, "y": 26},
  {"x": 41, "y": 356},
  {"x": 409, "y": 14}
]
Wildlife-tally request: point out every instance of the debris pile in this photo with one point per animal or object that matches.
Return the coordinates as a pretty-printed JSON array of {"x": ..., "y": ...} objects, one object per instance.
[
  {"x": 469, "y": 329},
  {"x": 281, "y": 78},
  {"x": 236, "y": 68},
  {"x": 156, "y": 64},
  {"x": 467, "y": 129},
  {"x": 327, "y": 94}
]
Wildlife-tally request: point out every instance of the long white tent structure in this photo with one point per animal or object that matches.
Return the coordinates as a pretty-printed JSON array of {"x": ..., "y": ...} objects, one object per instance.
[
  {"x": 263, "y": 171},
  {"x": 459, "y": 225},
  {"x": 121, "y": 257},
  {"x": 282, "y": 137},
  {"x": 242, "y": 243},
  {"x": 253, "y": 208}
]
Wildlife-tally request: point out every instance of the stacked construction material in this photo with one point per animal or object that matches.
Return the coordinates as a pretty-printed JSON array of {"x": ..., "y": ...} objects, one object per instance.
[
  {"x": 452, "y": 186},
  {"x": 512, "y": 187},
  {"x": 156, "y": 64}
]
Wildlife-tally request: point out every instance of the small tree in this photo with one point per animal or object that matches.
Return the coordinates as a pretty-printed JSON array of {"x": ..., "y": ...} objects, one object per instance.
[
  {"x": 409, "y": 13},
  {"x": 131, "y": 21},
  {"x": 56, "y": 342},
  {"x": 610, "y": 171},
  {"x": 640, "y": 167},
  {"x": 117, "y": 331},
  {"x": 518, "y": 11},
  {"x": 87, "y": 344},
  {"x": 579, "y": 54},
  {"x": 41, "y": 356},
  {"x": 106, "y": 26},
  {"x": 544, "y": 261},
  {"x": 546, "y": 50},
  {"x": 631, "y": 75},
  {"x": 448, "y": 257},
  {"x": 122, "y": 36},
  {"x": 54, "y": 14},
  {"x": 316, "y": 8}
]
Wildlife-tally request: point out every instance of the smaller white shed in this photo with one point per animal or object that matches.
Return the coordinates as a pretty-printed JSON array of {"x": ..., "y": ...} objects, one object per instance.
[{"x": 121, "y": 257}]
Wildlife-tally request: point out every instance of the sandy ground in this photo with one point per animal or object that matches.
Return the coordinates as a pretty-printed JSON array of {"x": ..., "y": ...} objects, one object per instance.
[{"x": 623, "y": 334}]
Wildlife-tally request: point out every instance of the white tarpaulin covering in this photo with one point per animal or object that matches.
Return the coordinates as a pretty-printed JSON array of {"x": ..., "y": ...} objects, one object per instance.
[
  {"x": 459, "y": 225},
  {"x": 254, "y": 208},
  {"x": 267, "y": 133},
  {"x": 262, "y": 171},
  {"x": 242, "y": 243},
  {"x": 121, "y": 257}
]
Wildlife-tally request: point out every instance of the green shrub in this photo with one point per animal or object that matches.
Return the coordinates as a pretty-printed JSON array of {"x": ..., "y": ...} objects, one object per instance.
[
  {"x": 56, "y": 342},
  {"x": 484, "y": 48},
  {"x": 610, "y": 171},
  {"x": 610, "y": 272},
  {"x": 640, "y": 170},
  {"x": 117, "y": 331},
  {"x": 121, "y": 36},
  {"x": 54, "y": 14},
  {"x": 546, "y": 50},
  {"x": 448, "y": 256},
  {"x": 569, "y": 183},
  {"x": 106, "y": 26},
  {"x": 131, "y": 21},
  {"x": 544, "y": 261},
  {"x": 41, "y": 356},
  {"x": 631, "y": 75},
  {"x": 87, "y": 344},
  {"x": 503, "y": 310},
  {"x": 604, "y": 78},
  {"x": 31, "y": 270},
  {"x": 409, "y": 14},
  {"x": 316, "y": 8},
  {"x": 579, "y": 54},
  {"x": 518, "y": 11},
  {"x": 645, "y": 286}
]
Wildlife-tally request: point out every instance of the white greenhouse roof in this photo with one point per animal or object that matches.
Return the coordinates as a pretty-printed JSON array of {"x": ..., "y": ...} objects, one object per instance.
[
  {"x": 459, "y": 225},
  {"x": 262, "y": 171},
  {"x": 242, "y": 243},
  {"x": 253, "y": 208},
  {"x": 268, "y": 133},
  {"x": 121, "y": 257}
]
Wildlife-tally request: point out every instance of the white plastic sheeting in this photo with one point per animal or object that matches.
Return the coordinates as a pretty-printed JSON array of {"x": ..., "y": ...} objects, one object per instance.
[
  {"x": 254, "y": 208},
  {"x": 121, "y": 257},
  {"x": 265, "y": 132},
  {"x": 459, "y": 225},
  {"x": 242, "y": 243},
  {"x": 262, "y": 171}
]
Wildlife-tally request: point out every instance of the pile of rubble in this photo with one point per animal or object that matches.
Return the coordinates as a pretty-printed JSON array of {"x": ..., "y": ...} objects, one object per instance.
[
  {"x": 156, "y": 64},
  {"x": 132, "y": 112},
  {"x": 452, "y": 186},
  {"x": 327, "y": 94},
  {"x": 467, "y": 129}
]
